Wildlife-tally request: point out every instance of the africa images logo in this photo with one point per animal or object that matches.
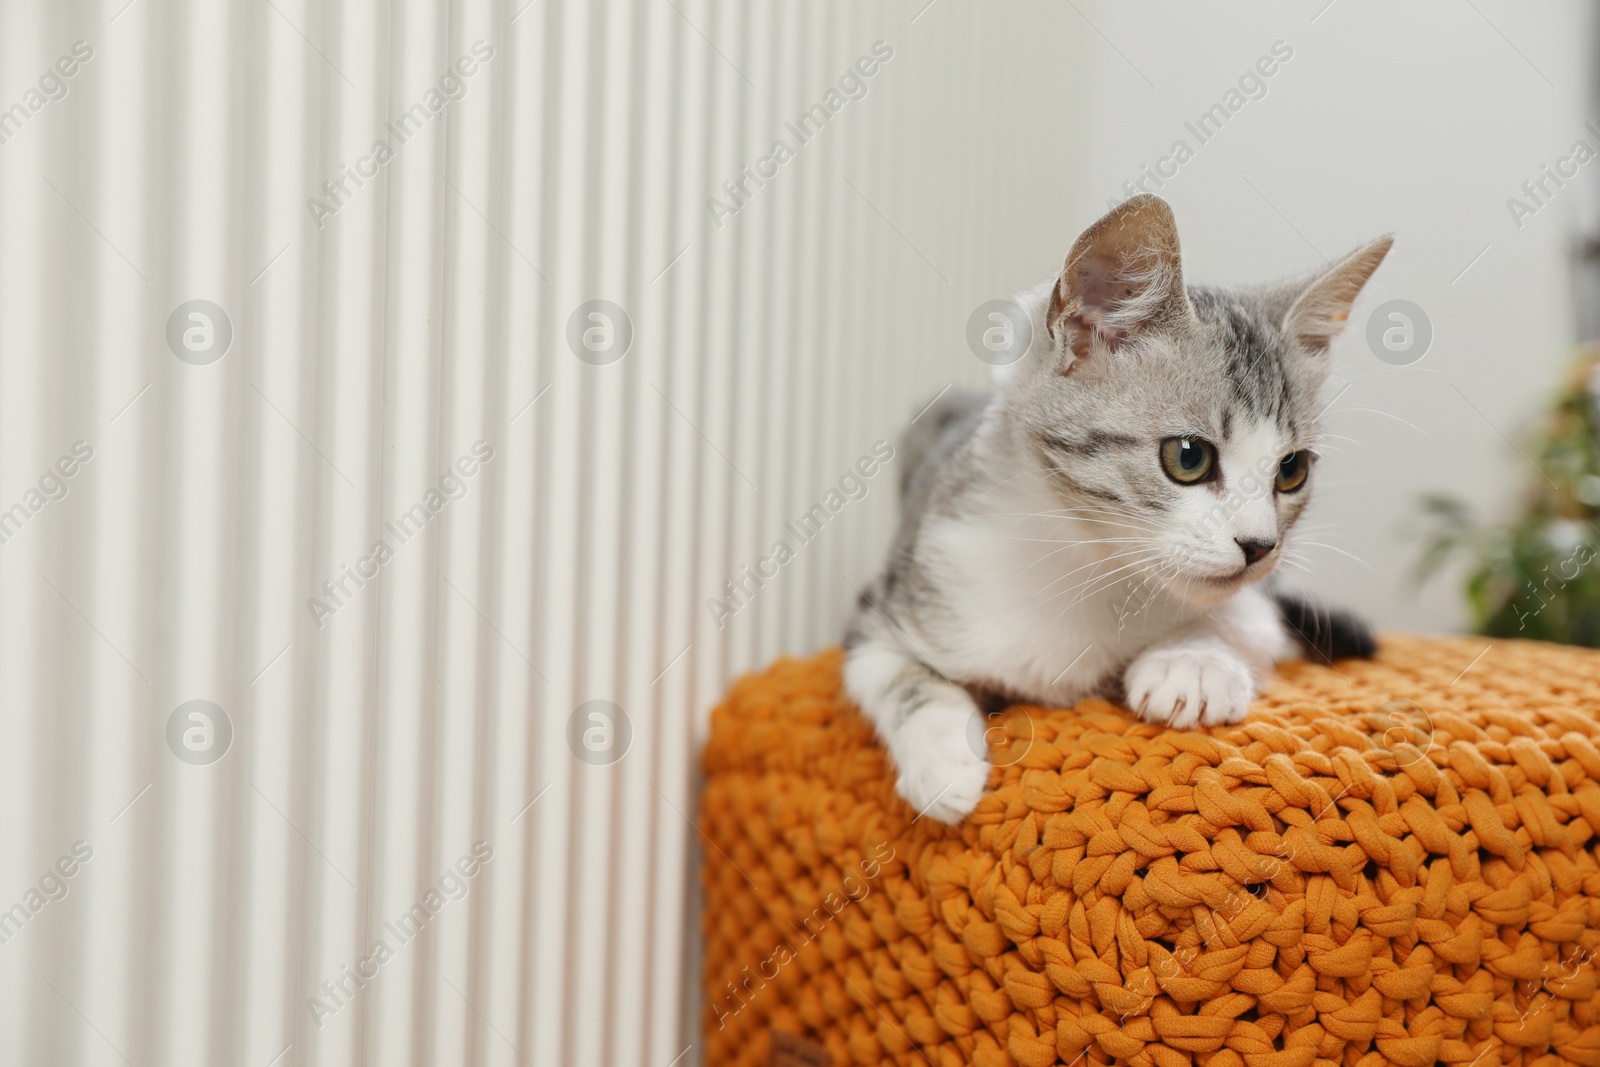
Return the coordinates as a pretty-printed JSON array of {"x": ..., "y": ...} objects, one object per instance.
[
  {"x": 741, "y": 589},
  {"x": 852, "y": 85},
  {"x": 452, "y": 85},
  {"x": 453, "y": 884},
  {"x": 341, "y": 588}
]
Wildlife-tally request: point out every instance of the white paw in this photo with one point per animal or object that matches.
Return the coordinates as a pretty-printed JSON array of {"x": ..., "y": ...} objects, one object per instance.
[
  {"x": 943, "y": 765},
  {"x": 1190, "y": 686}
]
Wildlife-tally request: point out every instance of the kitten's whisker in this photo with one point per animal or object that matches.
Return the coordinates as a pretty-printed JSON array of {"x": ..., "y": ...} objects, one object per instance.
[
  {"x": 1295, "y": 558},
  {"x": 1133, "y": 593},
  {"x": 1328, "y": 529},
  {"x": 1342, "y": 552},
  {"x": 1093, "y": 563},
  {"x": 1081, "y": 509},
  {"x": 1063, "y": 548},
  {"x": 1097, "y": 520},
  {"x": 1089, "y": 516},
  {"x": 1095, "y": 583},
  {"x": 1388, "y": 415},
  {"x": 1083, "y": 541},
  {"x": 1143, "y": 558}
]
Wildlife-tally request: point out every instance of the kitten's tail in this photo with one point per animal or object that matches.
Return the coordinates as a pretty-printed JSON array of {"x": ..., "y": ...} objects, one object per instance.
[{"x": 1327, "y": 633}]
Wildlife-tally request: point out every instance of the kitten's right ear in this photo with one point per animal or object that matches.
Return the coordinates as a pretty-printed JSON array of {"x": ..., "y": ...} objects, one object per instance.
[
  {"x": 1123, "y": 275},
  {"x": 1319, "y": 313}
]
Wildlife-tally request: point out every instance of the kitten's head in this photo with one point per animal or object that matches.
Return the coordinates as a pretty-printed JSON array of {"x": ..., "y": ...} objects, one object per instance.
[{"x": 1185, "y": 418}]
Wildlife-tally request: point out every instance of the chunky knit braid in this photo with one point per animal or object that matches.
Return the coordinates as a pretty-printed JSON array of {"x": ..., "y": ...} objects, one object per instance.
[{"x": 1387, "y": 862}]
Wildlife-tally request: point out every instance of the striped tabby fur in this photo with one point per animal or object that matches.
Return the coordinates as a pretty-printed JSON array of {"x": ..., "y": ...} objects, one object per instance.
[{"x": 1045, "y": 554}]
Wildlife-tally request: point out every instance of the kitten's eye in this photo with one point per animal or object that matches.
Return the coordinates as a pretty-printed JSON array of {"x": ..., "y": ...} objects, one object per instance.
[
  {"x": 1292, "y": 471},
  {"x": 1188, "y": 460}
]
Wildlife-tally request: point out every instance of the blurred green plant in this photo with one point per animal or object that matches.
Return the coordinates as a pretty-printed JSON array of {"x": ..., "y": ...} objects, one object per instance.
[{"x": 1539, "y": 575}]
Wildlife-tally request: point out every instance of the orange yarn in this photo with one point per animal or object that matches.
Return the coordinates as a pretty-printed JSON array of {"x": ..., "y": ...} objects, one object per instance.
[{"x": 1343, "y": 878}]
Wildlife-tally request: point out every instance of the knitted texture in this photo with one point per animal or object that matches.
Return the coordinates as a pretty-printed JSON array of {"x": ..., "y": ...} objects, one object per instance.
[{"x": 1387, "y": 862}]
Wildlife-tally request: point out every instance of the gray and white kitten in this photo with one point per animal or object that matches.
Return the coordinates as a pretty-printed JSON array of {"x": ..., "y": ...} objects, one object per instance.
[{"x": 1100, "y": 523}]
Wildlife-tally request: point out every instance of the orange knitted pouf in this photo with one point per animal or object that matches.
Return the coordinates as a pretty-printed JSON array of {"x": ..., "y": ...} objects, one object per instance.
[{"x": 1387, "y": 862}]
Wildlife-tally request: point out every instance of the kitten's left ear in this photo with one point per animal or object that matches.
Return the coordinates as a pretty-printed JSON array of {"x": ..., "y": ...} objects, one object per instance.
[{"x": 1319, "y": 314}]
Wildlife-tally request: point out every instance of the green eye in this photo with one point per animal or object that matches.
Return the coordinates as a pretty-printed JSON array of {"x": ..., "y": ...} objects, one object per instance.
[
  {"x": 1188, "y": 460},
  {"x": 1292, "y": 471}
]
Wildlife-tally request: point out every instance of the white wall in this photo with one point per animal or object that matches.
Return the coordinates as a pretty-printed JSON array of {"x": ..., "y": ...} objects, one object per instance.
[
  {"x": 1420, "y": 119},
  {"x": 432, "y": 710}
]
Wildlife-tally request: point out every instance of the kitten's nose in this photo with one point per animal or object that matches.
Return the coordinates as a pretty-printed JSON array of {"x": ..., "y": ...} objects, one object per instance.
[{"x": 1254, "y": 551}]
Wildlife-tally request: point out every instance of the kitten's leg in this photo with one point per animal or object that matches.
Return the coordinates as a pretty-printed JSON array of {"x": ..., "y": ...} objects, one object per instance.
[
  {"x": 1210, "y": 675},
  {"x": 931, "y": 726}
]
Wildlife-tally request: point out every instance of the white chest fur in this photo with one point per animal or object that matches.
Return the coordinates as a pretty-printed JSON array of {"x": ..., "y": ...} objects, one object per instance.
[{"x": 1050, "y": 604}]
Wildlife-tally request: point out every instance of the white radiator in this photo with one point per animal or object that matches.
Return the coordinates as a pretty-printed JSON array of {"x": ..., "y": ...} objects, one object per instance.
[{"x": 331, "y": 503}]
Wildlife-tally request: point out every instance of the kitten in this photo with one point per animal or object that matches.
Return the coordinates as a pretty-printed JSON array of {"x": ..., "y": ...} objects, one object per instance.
[{"x": 1100, "y": 523}]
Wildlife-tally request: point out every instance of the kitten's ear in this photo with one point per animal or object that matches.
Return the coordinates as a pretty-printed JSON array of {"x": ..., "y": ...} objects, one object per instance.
[
  {"x": 1319, "y": 313},
  {"x": 1122, "y": 276}
]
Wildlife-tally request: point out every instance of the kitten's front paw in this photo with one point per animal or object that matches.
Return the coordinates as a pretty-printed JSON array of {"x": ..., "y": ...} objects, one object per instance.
[
  {"x": 942, "y": 774},
  {"x": 1189, "y": 686}
]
